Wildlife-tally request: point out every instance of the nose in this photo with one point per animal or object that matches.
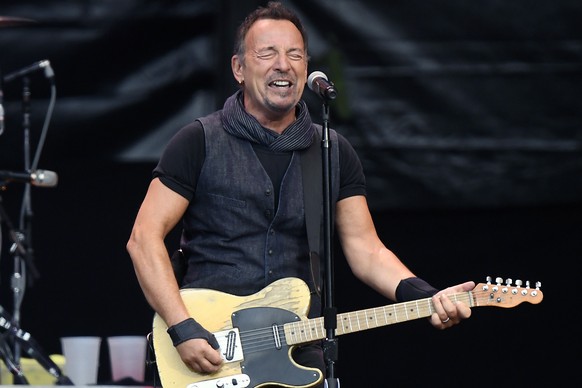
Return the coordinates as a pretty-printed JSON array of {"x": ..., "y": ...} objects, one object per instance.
[{"x": 282, "y": 63}]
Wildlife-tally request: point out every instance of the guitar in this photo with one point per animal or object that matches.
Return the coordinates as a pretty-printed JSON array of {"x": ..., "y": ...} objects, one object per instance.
[{"x": 257, "y": 333}]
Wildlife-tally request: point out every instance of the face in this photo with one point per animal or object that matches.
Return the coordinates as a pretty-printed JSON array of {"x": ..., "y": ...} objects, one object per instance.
[{"x": 274, "y": 70}]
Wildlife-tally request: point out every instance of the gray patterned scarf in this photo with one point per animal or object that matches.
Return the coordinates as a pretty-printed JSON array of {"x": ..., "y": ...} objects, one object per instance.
[{"x": 241, "y": 124}]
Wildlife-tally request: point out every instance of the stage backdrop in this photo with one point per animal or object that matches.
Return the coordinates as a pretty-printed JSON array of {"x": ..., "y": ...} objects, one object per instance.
[{"x": 466, "y": 116}]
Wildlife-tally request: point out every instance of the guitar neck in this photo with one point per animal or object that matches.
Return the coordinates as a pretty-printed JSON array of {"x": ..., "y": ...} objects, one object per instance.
[{"x": 313, "y": 329}]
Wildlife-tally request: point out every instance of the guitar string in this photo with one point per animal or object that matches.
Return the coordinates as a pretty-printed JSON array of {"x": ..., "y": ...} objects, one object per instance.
[
  {"x": 258, "y": 340},
  {"x": 263, "y": 338}
]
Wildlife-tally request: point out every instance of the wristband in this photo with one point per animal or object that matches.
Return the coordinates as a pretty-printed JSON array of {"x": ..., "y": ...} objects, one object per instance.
[
  {"x": 189, "y": 329},
  {"x": 414, "y": 288}
]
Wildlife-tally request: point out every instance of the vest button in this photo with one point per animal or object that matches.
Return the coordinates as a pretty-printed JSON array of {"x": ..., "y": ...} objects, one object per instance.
[{"x": 268, "y": 192}]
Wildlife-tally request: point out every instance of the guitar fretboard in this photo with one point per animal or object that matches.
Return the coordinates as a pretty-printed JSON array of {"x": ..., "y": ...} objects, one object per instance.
[{"x": 313, "y": 329}]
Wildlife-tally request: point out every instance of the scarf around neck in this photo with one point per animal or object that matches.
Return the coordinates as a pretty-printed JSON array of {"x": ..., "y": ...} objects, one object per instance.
[{"x": 238, "y": 122}]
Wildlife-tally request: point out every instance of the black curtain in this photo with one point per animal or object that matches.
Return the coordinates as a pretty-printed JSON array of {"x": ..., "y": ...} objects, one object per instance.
[{"x": 466, "y": 116}]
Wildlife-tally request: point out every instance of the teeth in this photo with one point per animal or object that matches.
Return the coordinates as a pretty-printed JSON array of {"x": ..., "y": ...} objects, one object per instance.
[{"x": 281, "y": 83}]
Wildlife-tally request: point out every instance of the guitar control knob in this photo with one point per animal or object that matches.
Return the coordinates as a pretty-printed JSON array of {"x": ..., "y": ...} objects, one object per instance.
[{"x": 219, "y": 384}]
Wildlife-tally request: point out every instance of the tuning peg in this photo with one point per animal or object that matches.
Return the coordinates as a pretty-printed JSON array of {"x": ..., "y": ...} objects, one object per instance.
[
  {"x": 498, "y": 280},
  {"x": 507, "y": 285},
  {"x": 487, "y": 284},
  {"x": 535, "y": 292},
  {"x": 518, "y": 284}
]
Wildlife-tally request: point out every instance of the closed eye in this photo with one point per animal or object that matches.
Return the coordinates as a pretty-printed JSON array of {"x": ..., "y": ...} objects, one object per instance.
[{"x": 270, "y": 53}]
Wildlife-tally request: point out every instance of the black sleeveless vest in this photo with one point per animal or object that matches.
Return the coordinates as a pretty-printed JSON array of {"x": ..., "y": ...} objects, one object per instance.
[{"x": 233, "y": 239}]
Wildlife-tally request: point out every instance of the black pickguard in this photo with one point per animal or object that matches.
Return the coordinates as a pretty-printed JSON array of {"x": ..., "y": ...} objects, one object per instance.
[{"x": 265, "y": 362}]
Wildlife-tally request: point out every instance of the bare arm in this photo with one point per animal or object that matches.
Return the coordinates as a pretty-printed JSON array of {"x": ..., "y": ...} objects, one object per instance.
[
  {"x": 367, "y": 256},
  {"x": 160, "y": 211},
  {"x": 380, "y": 268}
]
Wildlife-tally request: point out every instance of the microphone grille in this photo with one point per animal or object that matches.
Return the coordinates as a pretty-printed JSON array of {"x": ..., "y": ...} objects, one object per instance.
[
  {"x": 45, "y": 178},
  {"x": 313, "y": 76}
]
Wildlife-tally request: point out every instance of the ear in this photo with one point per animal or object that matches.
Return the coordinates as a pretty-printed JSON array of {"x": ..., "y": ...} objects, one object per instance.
[{"x": 237, "y": 69}]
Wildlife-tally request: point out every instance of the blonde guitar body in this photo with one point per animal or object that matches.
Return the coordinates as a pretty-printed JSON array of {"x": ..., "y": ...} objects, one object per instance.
[
  {"x": 257, "y": 333},
  {"x": 214, "y": 311}
]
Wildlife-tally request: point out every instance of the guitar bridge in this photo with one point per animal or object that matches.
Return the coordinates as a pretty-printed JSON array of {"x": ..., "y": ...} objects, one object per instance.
[{"x": 230, "y": 345}]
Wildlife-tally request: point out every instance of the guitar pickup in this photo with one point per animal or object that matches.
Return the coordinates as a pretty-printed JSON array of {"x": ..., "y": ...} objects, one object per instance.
[
  {"x": 230, "y": 345},
  {"x": 234, "y": 381}
]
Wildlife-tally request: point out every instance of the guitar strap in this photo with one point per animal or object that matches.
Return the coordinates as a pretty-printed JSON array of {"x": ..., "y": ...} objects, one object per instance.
[{"x": 312, "y": 197}]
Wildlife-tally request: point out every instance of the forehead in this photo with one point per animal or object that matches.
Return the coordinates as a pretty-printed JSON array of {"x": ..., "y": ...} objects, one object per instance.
[{"x": 274, "y": 33}]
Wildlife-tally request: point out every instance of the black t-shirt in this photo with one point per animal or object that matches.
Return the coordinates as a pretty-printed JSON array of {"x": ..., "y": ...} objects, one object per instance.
[{"x": 182, "y": 160}]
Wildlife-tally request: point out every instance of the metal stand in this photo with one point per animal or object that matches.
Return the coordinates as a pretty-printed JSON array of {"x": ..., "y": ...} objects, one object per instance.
[
  {"x": 30, "y": 347},
  {"x": 330, "y": 345},
  {"x": 23, "y": 254},
  {"x": 8, "y": 358}
]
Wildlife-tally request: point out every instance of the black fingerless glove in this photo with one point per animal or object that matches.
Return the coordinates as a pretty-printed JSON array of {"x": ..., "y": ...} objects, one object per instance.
[
  {"x": 414, "y": 288},
  {"x": 190, "y": 329}
]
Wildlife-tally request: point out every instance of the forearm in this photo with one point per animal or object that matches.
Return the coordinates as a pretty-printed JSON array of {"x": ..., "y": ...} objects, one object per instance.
[
  {"x": 367, "y": 256},
  {"x": 157, "y": 281},
  {"x": 382, "y": 270}
]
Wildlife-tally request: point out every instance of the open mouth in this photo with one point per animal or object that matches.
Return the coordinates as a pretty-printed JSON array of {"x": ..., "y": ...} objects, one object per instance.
[{"x": 281, "y": 84}]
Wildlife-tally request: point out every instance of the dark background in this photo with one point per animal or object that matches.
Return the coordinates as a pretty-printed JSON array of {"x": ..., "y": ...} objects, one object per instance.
[{"x": 466, "y": 115}]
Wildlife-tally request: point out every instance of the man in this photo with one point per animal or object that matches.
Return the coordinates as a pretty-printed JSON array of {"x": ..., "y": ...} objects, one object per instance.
[{"x": 234, "y": 178}]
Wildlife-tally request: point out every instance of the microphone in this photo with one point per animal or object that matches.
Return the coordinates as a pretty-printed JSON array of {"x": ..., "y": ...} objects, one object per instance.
[
  {"x": 44, "y": 65},
  {"x": 317, "y": 82},
  {"x": 40, "y": 178}
]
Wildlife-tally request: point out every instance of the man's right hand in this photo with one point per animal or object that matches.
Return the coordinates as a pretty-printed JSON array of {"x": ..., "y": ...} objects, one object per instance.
[{"x": 198, "y": 355}]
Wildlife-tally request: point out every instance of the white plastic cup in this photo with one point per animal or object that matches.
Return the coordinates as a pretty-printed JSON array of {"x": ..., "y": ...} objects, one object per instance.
[
  {"x": 127, "y": 355},
  {"x": 81, "y": 358}
]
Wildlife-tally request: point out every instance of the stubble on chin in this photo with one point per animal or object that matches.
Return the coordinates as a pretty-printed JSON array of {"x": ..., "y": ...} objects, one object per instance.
[{"x": 281, "y": 105}]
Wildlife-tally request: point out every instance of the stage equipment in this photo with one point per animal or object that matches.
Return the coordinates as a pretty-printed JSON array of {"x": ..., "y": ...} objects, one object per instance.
[{"x": 14, "y": 340}]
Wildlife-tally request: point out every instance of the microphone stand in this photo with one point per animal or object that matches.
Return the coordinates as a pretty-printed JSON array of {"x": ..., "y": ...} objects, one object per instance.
[
  {"x": 31, "y": 348},
  {"x": 6, "y": 356},
  {"x": 21, "y": 248},
  {"x": 330, "y": 345},
  {"x": 18, "y": 282}
]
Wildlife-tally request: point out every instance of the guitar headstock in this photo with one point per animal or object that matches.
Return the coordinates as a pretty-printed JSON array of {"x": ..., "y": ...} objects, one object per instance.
[{"x": 505, "y": 294}]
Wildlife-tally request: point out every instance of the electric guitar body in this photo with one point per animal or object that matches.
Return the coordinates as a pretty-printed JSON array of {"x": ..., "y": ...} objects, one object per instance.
[{"x": 253, "y": 322}]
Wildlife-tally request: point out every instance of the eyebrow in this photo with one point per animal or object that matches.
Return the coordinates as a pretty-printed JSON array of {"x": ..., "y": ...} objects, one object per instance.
[{"x": 273, "y": 48}]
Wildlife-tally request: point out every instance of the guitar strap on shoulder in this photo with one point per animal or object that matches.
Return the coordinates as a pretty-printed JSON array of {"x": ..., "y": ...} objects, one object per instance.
[{"x": 312, "y": 197}]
